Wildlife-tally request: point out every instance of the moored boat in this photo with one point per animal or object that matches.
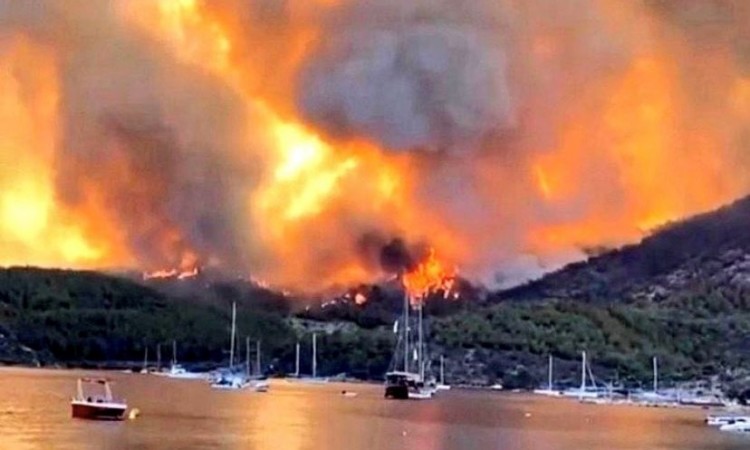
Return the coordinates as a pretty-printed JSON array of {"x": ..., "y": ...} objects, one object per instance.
[
  {"x": 442, "y": 386},
  {"x": 585, "y": 392},
  {"x": 229, "y": 378},
  {"x": 178, "y": 371},
  {"x": 407, "y": 384},
  {"x": 314, "y": 378},
  {"x": 548, "y": 391},
  {"x": 401, "y": 385},
  {"x": 715, "y": 420},
  {"x": 738, "y": 426},
  {"x": 97, "y": 407}
]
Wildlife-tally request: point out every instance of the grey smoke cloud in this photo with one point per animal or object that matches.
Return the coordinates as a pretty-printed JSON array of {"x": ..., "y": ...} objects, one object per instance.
[
  {"x": 160, "y": 142},
  {"x": 426, "y": 74}
]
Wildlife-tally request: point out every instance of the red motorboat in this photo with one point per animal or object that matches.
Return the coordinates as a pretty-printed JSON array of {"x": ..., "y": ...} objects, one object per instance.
[{"x": 97, "y": 407}]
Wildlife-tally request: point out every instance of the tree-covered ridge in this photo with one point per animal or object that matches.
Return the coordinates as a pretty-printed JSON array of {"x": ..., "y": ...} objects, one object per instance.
[
  {"x": 87, "y": 316},
  {"x": 683, "y": 295}
]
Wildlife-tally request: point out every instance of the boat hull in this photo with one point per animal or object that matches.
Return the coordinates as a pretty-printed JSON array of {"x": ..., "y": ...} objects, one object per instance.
[
  {"x": 98, "y": 411},
  {"x": 230, "y": 386},
  {"x": 308, "y": 380},
  {"x": 186, "y": 376},
  {"x": 397, "y": 392},
  {"x": 420, "y": 395}
]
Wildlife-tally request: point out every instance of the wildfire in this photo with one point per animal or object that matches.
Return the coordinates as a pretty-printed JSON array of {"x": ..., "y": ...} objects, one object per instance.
[
  {"x": 172, "y": 273},
  {"x": 430, "y": 276},
  {"x": 196, "y": 146}
]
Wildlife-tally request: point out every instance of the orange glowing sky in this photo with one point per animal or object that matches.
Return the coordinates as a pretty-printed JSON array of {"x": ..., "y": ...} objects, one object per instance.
[{"x": 170, "y": 134}]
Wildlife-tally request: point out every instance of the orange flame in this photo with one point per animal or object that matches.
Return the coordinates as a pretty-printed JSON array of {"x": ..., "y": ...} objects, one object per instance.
[
  {"x": 632, "y": 147},
  {"x": 429, "y": 276}
]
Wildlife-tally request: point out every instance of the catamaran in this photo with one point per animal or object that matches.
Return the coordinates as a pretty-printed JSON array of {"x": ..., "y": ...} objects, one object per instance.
[
  {"x": 228, "y": 378},
  {"x": 549, "y": 391},
  {"x": 407, "y": 384}
]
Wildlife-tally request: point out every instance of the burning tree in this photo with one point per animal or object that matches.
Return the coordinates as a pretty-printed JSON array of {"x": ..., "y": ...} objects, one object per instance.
[{"x": 430, "y": 276}]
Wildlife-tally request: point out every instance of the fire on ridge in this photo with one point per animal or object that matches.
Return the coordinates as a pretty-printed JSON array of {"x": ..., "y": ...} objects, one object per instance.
[{"x": 272, "y": 139}]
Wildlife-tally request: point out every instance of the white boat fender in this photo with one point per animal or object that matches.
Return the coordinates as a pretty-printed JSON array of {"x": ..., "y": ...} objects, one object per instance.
[{"x": 134, "y": 413}]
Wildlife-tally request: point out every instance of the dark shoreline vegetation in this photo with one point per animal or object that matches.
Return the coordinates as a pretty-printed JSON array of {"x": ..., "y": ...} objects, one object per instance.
[{"x": 683, "y": 294}]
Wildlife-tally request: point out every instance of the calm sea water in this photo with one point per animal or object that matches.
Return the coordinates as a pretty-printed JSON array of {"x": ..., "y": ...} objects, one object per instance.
[{"x": 177, "y": 414}]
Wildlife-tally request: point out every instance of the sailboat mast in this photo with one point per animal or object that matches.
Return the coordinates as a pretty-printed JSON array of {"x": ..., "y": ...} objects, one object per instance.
[
  {"x": 442, "y": 369},
  {"x": 247, "y": 355},
  {"x": 296, "y": 361},
  {"x": 158, "y": 356},
  {"x": 420, "y": 351},
  {"x": 145, "y": 358},
  {"x": 231, "y": 347},
  {"x": 549, "y": 374},
  {"x": 583, "y": 370},
  {"x": 257, "y": 357},
  {"x": 656, "y": 375},
  {"x": 406, "y": 330},
  {"x": 314, "y": 356},
  {"x": 174, "y": 352}
]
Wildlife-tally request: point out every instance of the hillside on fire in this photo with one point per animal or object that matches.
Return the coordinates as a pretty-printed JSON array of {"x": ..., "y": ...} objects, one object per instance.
[{"x": 683, "y": 294}]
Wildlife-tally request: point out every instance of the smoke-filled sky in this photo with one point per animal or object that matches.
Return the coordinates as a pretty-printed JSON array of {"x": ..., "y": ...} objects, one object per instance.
[{"x": 290, "y": 140}]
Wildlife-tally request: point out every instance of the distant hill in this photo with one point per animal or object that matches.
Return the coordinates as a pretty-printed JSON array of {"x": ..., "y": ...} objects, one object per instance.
[
  {"x": 712, "y": 248},
  {"x": 682, "y": 294}
]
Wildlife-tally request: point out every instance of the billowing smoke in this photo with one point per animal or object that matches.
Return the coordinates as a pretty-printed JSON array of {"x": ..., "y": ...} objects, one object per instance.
[
  {"x": 292, "y": 140},
  {"x": 421, "y": 74},
  {"x": 159, "y": 144},
  {"x": 392, "y": 256}
]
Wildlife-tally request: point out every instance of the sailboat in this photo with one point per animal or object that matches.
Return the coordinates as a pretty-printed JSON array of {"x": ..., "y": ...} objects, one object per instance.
[
  {"x": 257, "y": 382},
  {"x": 654, "y": 397},
  {"x": 549, "y": 391},
  {"x": 407, "y": 384},
  {"x": 296, "y": 361},
  {"x": 228, "y": 378},
  {"x": 177, "y": 371},
  {"x": 583, "y": 392},
  {"x": 442, "y": 386},
  {"x": 144, "y": 369},
  {"x": 314, "y": 378}
]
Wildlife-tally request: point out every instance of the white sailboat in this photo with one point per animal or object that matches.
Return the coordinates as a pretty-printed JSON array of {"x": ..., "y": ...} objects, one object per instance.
[
  {"x": 442, "y": 386},
  {"x": 654, "y": 398},
  {"x": 409, "y": 384},
  {"x": 144, "y": 369},
  {"x": 229, "y": 379},
  {"x": 257, "y": 382},
  {"x": 296, "y": 361},
  {"x": 314, "y": 378},
  {"x": 549, "y": 391},
  {"x": 583, "y": 392},
  {"x": 177, "y": 371}
]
